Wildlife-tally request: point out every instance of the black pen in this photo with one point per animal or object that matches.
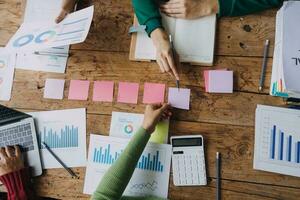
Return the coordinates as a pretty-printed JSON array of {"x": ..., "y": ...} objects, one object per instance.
[
  {"x": 174, "y": 58},
  {"x": 218, "y": 176},
  {"x": 61, "y": 162}
]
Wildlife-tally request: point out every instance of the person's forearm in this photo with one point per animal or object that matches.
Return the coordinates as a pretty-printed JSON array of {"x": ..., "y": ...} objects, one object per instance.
[
  {"x": 243, "y": 7},
  {"x": 18, "y": 185},
  {"x": 147, "y": 12},
  {"x": 118, "y": 176}
]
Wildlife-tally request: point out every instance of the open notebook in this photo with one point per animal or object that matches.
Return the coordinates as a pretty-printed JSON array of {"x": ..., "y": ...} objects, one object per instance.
[{"x": 193, "y": 40}]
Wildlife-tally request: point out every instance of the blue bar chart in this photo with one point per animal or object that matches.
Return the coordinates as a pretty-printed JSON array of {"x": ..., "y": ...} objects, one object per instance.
[
  {"x": 283, "y": 146},
  {"x": 148, "y": 161},
  {"x": 64, "y": 138}
]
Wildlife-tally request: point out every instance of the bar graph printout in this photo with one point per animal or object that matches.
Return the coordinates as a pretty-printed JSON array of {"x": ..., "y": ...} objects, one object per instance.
[
  {"x": 277, "y": 140},
  {"x": 64, "y": 131},
  {"x": 151, "y": 175}
]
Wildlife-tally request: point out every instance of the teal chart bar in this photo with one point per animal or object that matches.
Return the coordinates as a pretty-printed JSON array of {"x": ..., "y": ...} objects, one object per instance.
[
  {"x": 146, "y": 162},
  {"x": 65, "y": 138}
]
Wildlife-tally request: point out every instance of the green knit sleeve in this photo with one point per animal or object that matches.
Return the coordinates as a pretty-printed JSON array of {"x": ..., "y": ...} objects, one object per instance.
[
  {"x": 243, "y": 7},
  {"x": 147, "y": 12},
  {"x": 118, "y": 175}
]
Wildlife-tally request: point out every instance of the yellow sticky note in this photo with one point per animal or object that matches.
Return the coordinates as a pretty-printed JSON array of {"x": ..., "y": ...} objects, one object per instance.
[{"x": 161, "y": 133}]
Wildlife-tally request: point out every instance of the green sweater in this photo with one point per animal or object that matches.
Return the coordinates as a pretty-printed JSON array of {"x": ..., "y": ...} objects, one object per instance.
[
  {"x": 147, "y": 11},
  {"x": 118, "y": 176}
]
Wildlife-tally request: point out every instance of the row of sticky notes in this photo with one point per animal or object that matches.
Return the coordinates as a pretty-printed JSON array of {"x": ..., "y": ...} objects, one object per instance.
[
  {"x": 218, "y": 81},
  {"x": 103, "y": 91}
]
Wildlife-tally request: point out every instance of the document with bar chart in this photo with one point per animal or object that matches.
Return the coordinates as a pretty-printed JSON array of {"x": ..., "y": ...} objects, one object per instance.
[
  {"x": 151, "y": 175},
  {"x": 72, "y": 30},
  {"x": 277, "y": 140},
  {"x": 64, "y": 131}
]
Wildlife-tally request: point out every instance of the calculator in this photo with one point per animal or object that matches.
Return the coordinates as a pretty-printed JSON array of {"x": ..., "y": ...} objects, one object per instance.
[{"x": 188, "y": 161}]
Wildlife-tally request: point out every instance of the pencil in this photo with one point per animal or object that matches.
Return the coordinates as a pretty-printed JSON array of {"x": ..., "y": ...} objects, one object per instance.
[
  {"x": 218, "y": 175},
  {"x": 264, "y": 65},
  {"x": 60, "y": 162},
  {"x": 174, "y": 57}
]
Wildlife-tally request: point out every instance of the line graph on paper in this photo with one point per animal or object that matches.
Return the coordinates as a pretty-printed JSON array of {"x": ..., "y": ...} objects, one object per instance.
[{"x": 145, "y": 186}]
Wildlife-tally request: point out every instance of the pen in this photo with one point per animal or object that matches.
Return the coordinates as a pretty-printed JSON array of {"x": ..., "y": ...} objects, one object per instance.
[
  {"x": 51, "y": 54},
  {"x": 174, "y": 57},
  {"x": 264, "y": 65},
  {"x": 218, "y": 174},
  {"x": 61, "y": 162}
]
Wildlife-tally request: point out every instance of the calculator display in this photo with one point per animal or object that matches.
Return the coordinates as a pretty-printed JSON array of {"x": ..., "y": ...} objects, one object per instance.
[{"x": 186, "y": 142}]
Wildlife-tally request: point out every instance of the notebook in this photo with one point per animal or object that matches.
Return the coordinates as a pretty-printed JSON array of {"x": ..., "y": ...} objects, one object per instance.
[
  {"x": 194, "y": 40},
  {"x": 286, "y": 59}
]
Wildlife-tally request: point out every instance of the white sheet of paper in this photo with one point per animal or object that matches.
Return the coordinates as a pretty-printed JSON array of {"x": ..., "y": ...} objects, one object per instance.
[
  {"x": 7, "y": 63},
  {"x": 38, "y": 11},
  {"x": 65, "y": 133},
  {"x": 277, "y": 140},
  {"x": 72, "y": 30},
  {"x": 152, "y": 181},
  {"x": 193, "y": 39},
  {"x": 291, "y": 45}
]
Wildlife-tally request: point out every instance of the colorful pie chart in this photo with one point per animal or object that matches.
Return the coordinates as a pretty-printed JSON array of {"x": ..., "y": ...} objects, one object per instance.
[
  {"x": 45, "y": 36},
  {"x": 2, "y": 64},
  {"x": 23, "y": 40},
  {"x": 128, "y": 129}
]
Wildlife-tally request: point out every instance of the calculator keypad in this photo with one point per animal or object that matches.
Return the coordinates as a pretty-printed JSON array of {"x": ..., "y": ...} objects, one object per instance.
[{"x": 189, "y": 167}]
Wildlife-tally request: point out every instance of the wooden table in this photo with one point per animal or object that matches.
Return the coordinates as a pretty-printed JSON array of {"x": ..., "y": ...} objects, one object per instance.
[{"x": 226, "y": 121}]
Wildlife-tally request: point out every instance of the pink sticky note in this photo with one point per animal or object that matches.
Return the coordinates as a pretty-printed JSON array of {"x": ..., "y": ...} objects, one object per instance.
[
  {"x": 79, "y": 90},
  {"x": 206, "y": 81},
  {"x": 54, "y": 89},
  {"x": 179, "y": 98},
  {"x": 154, "y": 93},
  {"x": 128, "y": 92},
  {"x": 220, "y": 81},
  {"x": 103, "y": 91}
]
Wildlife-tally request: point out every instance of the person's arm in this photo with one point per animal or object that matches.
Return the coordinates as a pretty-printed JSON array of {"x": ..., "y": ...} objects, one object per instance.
[
  {"x": 119, "y": 174},
  {"x": 14, "y": 176},
  {"x": 243, "y": 7},
  {"x": 147, "y": 12}
]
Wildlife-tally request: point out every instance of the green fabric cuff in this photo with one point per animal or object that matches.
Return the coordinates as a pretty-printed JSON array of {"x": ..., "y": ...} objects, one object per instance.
[
  {"x": 153, "y": 24},
  {"x": 142, "y": 134},
  {"x": 225, "y": 7}
]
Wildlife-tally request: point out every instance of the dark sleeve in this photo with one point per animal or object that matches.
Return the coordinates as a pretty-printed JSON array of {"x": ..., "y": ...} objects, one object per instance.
[
  {"x": 18, "y": 185},
  {"x": 147, "y": 12},
  {"x": 244, "y": 7}
]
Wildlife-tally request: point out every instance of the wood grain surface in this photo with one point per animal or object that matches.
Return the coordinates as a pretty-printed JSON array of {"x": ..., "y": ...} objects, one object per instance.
[{"x": 225, "y": 121}]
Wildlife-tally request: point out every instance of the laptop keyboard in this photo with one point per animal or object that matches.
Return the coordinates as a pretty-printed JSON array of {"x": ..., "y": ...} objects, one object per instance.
[{"x": 18, "y": 135}]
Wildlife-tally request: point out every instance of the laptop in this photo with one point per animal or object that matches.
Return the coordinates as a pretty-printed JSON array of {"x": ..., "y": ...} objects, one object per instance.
[{"x": 17, "y": 128}]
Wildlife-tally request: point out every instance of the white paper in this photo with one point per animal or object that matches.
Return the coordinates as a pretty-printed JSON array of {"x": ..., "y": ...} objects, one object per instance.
[
  {"x": 72, "y": 30},
  {"x": 291, "y": 45},
  {"x": 71, "y": 147},
  {"x": 124, "y": 125},
  {"x": 193, "y": 40},
  {"x": 282, "y": 156},
  {"x": 7, "y": 63},
  {"x": 144, "y": 182},
  {"x": 52, "y": 59}
]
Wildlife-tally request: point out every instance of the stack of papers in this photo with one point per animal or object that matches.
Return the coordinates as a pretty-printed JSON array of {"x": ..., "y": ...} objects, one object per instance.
[
  {"x": 218, "y": 81},
  {"x": 49, "y": 59},
  {"x": 286, "y": 61}
]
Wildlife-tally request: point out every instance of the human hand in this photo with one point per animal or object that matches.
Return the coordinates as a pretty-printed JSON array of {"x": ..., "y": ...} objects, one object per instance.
[
  {"x": 189, "y": 9},
  {"x": 164, "y": 55},
  {"x": 154, "y": 114},
  {"x": 67, "y": 7},
  {"x": 10, "y": 160}
]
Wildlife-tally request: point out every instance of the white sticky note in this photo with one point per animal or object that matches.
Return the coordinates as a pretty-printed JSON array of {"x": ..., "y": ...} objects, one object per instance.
[
  {"x": 54, "y": 89},
  {"x": 179, "y": 98},
  {"x": 220, "y": 81}
]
